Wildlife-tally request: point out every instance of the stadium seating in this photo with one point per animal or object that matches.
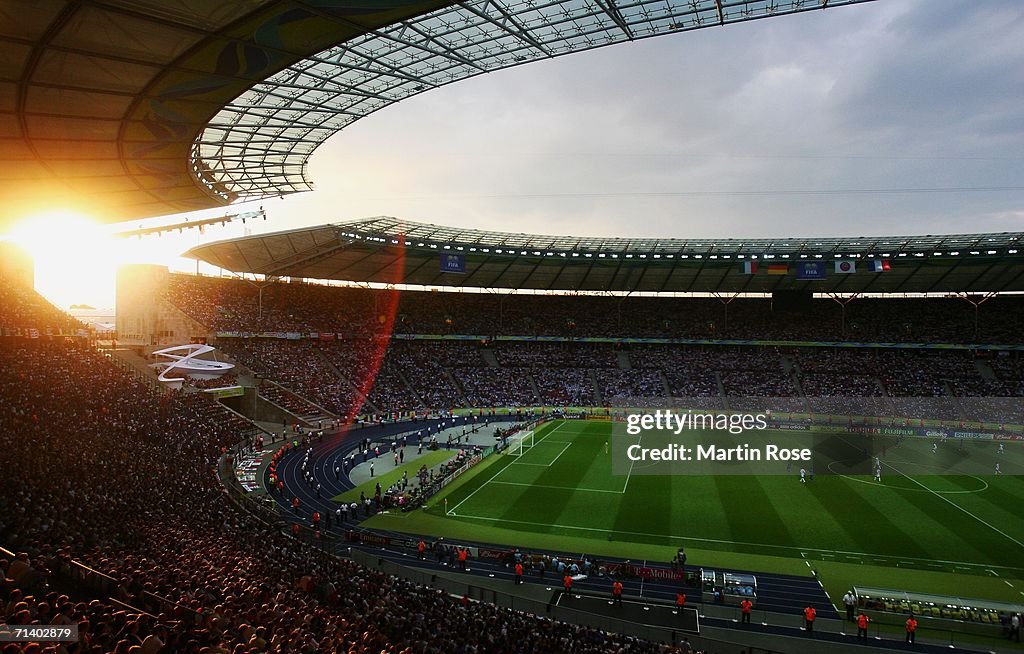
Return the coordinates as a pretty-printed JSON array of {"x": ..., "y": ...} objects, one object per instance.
[
  {"x": 118, "y": 477},
  {"x": 125, "y": 488}
]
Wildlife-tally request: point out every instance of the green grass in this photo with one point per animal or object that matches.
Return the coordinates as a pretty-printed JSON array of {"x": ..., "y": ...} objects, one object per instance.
[
  {"x": 430, "y": 459},
  {"x": 963, "y": 538}
]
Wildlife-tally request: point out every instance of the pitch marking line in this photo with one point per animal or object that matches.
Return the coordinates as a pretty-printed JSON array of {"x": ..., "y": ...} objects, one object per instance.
[
  {"x": 954, "y": 504},
  {"x": 483, "y": 485},
  {"x": 631, "y": 464},
  {"x": 543, "y": 465},
  {"x": 568, "y": 488},
  {"x": 965, "y": 565},
  {"x": 567, "y": 446}
]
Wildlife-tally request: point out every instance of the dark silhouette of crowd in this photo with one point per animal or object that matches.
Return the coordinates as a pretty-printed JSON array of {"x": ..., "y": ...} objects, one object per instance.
[
  {"x": 101, "y": 470},
  {"x": 243, "y": 306}
]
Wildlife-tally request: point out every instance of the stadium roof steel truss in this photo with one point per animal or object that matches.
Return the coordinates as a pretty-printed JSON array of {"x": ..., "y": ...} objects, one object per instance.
[
  {"x": 387, "y": 250},
  {"x": 258, "y": 145}
]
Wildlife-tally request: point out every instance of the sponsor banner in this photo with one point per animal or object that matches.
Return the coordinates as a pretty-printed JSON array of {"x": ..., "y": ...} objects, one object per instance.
[
  {"x": 488, "y": 553},
  {"x": 973, "y": 435},
  {"x": 791, "y": 426},
  {"x": 366, "y": 538},
  {"x": 926, "y": 432},
  {"x": 226, "y": 391},
  {"x": 644, "y": 572}
]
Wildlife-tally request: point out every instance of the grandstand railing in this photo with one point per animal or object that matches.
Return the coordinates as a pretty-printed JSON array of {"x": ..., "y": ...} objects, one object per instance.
[{"x": 107, "y": 586}]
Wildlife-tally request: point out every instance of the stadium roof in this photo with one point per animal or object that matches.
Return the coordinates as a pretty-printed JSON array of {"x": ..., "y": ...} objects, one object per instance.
[
  {"x": 387, "y": 250},
  {"x": 101, "y": 100},
  {"x": 136, "y": 108}
]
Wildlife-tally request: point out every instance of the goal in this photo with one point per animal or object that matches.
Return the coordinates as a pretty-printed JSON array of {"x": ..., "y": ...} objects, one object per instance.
[{"x": 521, "y": 443}]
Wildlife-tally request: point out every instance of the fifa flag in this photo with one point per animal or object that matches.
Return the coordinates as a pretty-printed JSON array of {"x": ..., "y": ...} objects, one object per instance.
[
  {"x": 810, "y": 270},
  {"x": 880, "y": 265},
  {"x": 453, "y": 263},
  {"x": 749, "y": 268},
  {"x": 846, "y": 267}
]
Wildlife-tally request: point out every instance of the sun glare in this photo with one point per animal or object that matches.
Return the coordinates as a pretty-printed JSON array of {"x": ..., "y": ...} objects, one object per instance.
[{"x": 75, "y": 257}]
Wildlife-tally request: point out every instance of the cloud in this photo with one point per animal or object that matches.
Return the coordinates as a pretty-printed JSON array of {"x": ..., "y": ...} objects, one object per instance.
[{"x": 903, "y": 94}]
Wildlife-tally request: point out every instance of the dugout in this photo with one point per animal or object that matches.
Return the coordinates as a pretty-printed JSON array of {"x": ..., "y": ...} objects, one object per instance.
[
  {"x": 727, "y": 587},
  {"x": 945, "y": 612}
]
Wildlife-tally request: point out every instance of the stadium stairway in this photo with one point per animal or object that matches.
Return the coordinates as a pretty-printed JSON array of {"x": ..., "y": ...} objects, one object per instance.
[
  {"x": 405, "y": 380},
  {"x": 457, "y": 386},
  {"x": 342, "y": 379},
  {"x": 665, "y": 388},
  {"x": 302, "y": 409},
  {"x": 596, "y": 386},
  {"x": 721, "y": 390}
]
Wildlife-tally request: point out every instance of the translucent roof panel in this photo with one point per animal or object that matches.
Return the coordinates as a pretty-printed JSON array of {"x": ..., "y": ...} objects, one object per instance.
[{"x": 258, "y": 145}]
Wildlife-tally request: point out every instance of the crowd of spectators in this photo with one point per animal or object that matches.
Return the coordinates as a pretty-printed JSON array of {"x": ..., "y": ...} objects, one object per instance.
[
  {"x": 119, "y": 477},
  {"x": 417, "y": 375},
  {"x": 412, "y": 375},
  {"x": 238, "y": 305},
  {"x": 25, "y": 311}
]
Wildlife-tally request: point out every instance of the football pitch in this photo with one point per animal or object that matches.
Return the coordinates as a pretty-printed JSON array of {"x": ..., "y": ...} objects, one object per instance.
[{"x": 563, "y": 487}]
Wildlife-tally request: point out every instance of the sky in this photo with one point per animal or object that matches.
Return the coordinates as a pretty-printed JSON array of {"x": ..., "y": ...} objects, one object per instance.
[{"x": 875, "y": 119}]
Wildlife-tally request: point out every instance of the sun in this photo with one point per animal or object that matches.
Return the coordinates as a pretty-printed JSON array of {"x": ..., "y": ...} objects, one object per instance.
[{"x": 75, "y": 257}]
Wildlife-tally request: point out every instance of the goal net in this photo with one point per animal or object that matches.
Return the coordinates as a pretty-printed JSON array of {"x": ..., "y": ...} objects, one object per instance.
[{"x": 520, "y": 443}]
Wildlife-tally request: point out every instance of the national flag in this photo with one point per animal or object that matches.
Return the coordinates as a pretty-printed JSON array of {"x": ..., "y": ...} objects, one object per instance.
[
  {"x": 778, "y": 268},
  {"x": 880, "y": 265},
  {"x": 749, "y": 267},
  {"x": 846, "y": 267}
]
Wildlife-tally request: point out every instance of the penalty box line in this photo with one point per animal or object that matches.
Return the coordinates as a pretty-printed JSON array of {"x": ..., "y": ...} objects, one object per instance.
[
  {"x": 483, "y": 485},
  {"x": 954, "y": 504},
  {"x": 568, "y": 488}
]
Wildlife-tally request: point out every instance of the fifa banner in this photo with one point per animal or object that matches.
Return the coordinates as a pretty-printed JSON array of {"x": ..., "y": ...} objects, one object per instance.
[
  {"x": 810, "y": 270},
  {"x": 453, "y": 263}
]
